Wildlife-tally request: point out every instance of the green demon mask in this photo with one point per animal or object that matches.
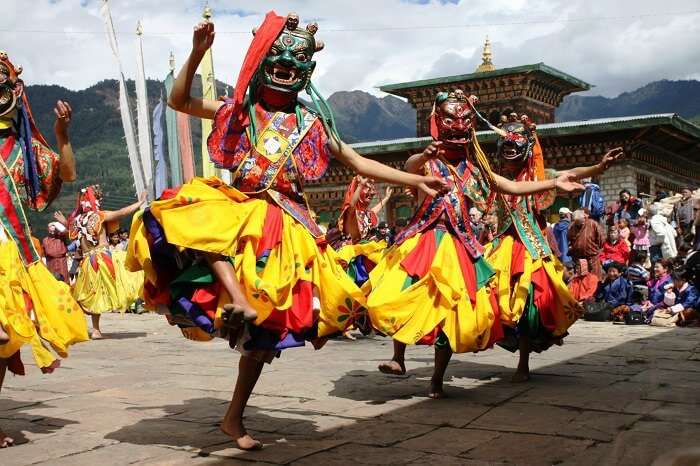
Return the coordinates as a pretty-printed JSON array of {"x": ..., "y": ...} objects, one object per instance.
[{"x": 288, "y": 65}]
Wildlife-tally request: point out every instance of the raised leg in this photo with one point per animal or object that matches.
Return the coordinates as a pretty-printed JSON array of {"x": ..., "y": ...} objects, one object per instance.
[
  {"x": 396, "y": 366},
  {"x": 249, "y": 370},
  {"x": 225, "y": 273},
  {"x": 5, "y": 440},
  {"x": 522, "y": 374},
  {"x": 96, "y": 333},
  {"x": 442, "y": 358}
]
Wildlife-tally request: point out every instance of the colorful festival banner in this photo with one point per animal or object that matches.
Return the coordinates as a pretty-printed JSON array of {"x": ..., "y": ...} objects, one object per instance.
[
  {"x": 124, "y": 108},
  {"x": 142, "y": 115},
  {"x": 174, "y": 159},
  {"x": 161, "y": 171}
]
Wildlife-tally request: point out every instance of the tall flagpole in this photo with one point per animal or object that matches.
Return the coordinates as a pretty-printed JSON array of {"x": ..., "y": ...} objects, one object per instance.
[
  {"x": 142, "y": 115},
  {"x": 206, "y": 71},
  {"x": 124, "y": 108}
]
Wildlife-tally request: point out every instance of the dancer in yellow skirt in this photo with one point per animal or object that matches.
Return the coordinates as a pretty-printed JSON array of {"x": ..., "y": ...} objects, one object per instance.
[
  {"x": 434, "y": 285},
  {"x": 535, "y": 304},
  {"x": 130, "y": 282},
  {"x": 248, "y": 261},
  {"x": 103, "y": 282},
  {"x": 358, "y": 254},
  {"x": 35, "y": 308}
]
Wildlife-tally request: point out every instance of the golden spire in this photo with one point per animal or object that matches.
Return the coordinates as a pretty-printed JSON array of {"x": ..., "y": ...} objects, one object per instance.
[
  {"x": 486, "y": 63},
  {"x": 171, "y": 61},
  {"x": 207, "y": 13}
]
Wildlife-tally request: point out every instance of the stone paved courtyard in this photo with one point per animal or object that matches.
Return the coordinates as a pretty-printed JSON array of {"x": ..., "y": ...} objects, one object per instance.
[{"x": 611, "y": 395}]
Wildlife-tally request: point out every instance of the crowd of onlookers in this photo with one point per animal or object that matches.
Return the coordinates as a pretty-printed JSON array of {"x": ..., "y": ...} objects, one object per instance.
[{"x": 634, "y": 264}]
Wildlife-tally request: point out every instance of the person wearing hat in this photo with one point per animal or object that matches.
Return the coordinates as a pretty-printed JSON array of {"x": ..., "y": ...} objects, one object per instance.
[{"x": 561, "y": 231}]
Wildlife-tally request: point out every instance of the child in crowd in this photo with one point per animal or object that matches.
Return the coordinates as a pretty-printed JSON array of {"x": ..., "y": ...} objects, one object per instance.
[
  {"x": 640, "y": 235},
  {"x": 616, "y": 290},
  {"x": 623, "y": 226},
  {"x": 615, "y": 249},
  {"x": 680, "y": 301},
  {"x": 637, "y": 274},
  {"x": 584, "y": 283}
]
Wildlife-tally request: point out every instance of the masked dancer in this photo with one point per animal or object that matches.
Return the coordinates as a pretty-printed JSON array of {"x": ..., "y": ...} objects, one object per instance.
[
  {"x": 36, "y": 309},
  {"x": 434, "y": 285},
  {"x": 103, "y": 283},
  {"x": 217, "y": 255},
  {"x": 535, "y": 303}
]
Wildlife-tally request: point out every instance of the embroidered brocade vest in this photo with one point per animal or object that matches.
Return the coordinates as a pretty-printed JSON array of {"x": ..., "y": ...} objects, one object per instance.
[
  {"x": 467, "y": 187},
  {"x": 279, "y": 163},
  {"x": 12, "y": 215},
  {"x": 517, "y": 213}
]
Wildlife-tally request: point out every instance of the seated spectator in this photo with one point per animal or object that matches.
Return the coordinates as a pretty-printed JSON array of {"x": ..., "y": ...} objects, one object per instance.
[
  {"x": 615, "y": 290},
  {"x": 614, "y": 249},
  {"x": 680, "y": 302},
  {"x": 583, "y": 284},
  {"x": 637, "y": 274},
  {"x": 662, "y": 277}
]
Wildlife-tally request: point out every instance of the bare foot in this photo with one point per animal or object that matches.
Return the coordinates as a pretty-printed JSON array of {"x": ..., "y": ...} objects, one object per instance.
[
  {"x": 521, "y": 375},
  {"x": 436, "y": 392},
  {"x": 243, "y": 440},
  {"x": 96, "y": 335},
  {"x": 392, "y": 367},
  {"x": 5, "y": 440}
]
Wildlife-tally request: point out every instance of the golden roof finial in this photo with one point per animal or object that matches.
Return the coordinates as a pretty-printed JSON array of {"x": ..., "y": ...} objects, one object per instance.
[
  {"x": 139, "y": 28},
  {"x": 486, "y": 63},
  {"x": 207, "y": 13}
]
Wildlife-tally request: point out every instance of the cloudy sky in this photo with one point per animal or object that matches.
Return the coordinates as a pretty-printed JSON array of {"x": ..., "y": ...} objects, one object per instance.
[{"x": 615, "y": 45}]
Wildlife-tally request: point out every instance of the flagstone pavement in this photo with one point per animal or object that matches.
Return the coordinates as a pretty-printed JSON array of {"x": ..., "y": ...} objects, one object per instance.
[{"x": 613, "y": 394}]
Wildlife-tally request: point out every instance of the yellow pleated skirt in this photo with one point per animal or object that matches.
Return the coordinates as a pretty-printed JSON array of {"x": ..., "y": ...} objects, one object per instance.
[
  {"x": 451, "y": 294},
  {"x": 103, "y": 283},
  {"x": 518, "y": 274},
  {"x": 36, "y": 309},
  {"x": 273, "y": 255}
]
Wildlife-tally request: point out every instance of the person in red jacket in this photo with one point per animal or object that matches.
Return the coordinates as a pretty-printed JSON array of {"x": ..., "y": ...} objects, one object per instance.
[{"x": 615, "y": 249}]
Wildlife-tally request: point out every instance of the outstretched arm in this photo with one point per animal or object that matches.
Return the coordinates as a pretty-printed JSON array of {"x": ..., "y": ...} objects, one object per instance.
[
  {"x": 113, "y": 215},
  {"x": 593, "y": 170},
  {"x": 565, "y": 182},
  {"x": 180, "y": 98},
  {"x": 373, "y": 169},
  {"x": 66, "y": 167},
  {"x": 387, "y": 195}
]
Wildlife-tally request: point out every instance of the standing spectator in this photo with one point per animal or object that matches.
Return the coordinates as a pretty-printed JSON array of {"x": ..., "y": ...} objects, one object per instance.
[
  {"x": 637, "y": 274},
  {"x": 628, "y": 207},
  {"x": 662, "y": 236},
  {"x": 696, "y": 225},
  {"x": 614, "y": 249},
  {"x": 586, "y": 240},
  {"x": 123, "y": 239},
  {"x": 55, "y": 251},
  {"x": 640, "y": 232},
  {"x": 683, "y": 215},
  {"x": 561, "y": 231},
  {"x": 624, "y": 228}
]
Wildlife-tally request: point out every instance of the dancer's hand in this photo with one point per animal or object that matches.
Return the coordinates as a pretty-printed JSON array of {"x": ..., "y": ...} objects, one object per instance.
[
  {"x": 143, "y": 197},
  {"x": 388, "y": 192},
  {"x": 203, "y": 37},
  {"x": 63, "y": 112},
  {"x": 432, "y": 186},
  {"x": 567, "y": 182},
  {"x": 433, "y": 151},
  {"x": 611, "y": 157}
]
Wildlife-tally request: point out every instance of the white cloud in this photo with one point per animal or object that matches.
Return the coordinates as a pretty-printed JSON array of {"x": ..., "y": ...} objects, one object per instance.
[{"x": 615, "y": 55}]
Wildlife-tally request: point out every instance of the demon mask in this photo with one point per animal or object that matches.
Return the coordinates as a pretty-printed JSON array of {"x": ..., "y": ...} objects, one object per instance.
[
  {"x": 453, "y": 119},
  {"x": 516, "y": 140},
  {"x": 11, "y": 90}
]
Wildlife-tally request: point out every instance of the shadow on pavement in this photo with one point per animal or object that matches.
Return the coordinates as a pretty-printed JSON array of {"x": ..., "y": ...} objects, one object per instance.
[
  {"x": 19, "y": 424},
  {"x": 614, "y": 406}
]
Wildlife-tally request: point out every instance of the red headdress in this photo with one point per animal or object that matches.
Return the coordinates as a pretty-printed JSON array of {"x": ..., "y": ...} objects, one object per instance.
[{"x": 264, "y": 37}]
